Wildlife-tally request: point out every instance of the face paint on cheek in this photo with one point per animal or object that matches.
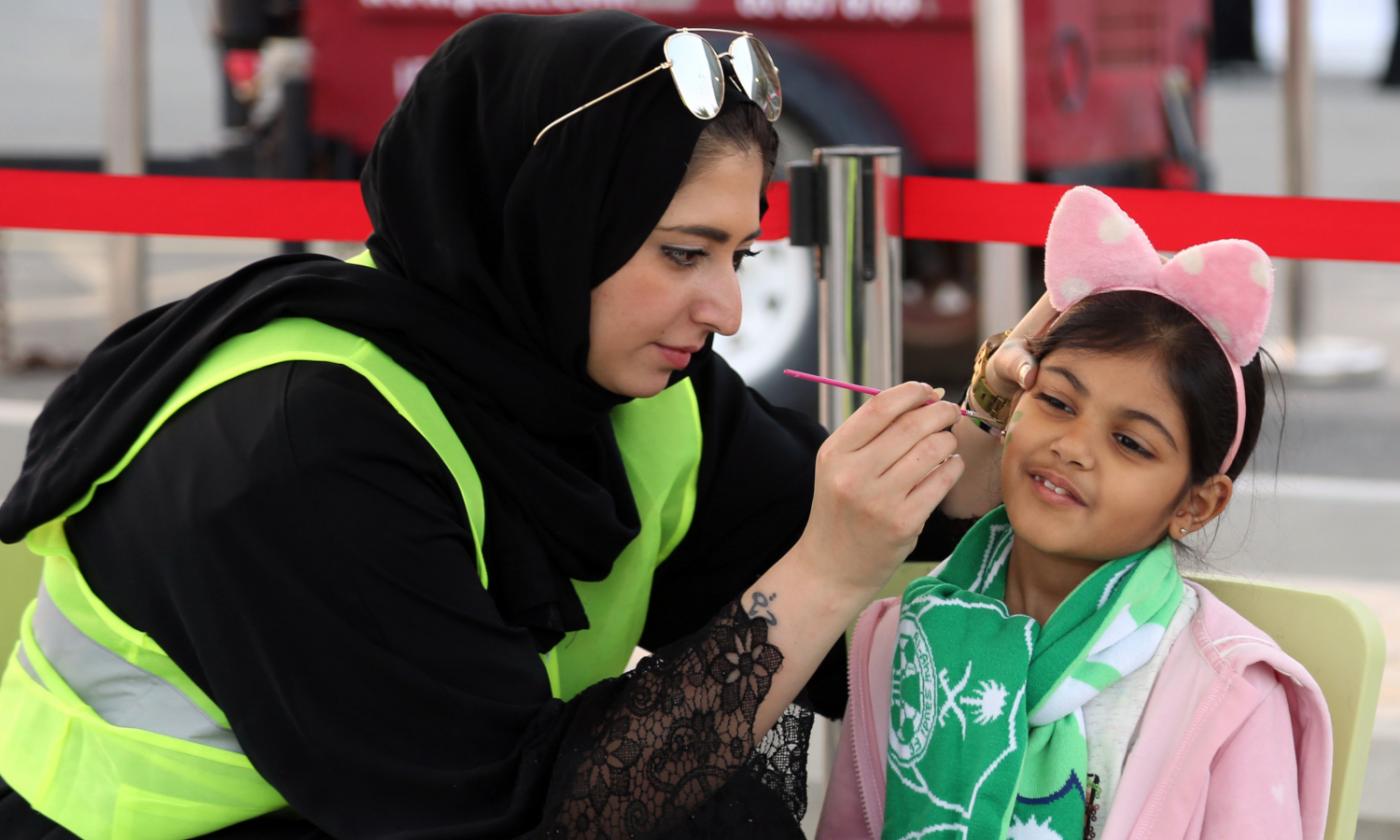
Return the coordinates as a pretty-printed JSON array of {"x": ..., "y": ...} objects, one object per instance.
[{"x": 1006, "y": 438}]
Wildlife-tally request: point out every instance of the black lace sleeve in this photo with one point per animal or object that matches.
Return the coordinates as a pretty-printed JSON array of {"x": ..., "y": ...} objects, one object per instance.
[{"x": 663, "y": 740}]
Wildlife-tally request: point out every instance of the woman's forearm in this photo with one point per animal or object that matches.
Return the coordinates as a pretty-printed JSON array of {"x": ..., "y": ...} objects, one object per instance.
[
  {"x": 979, "y": 489},
  {"x": 687, "y": 720},
  {"x": 805, "y": 615}
]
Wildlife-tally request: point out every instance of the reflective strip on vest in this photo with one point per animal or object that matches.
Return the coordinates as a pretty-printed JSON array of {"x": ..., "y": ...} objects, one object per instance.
[
  {"x": 107, "y": 782},
  {"x": 23, "y": 659},
  {"x": 119, "y": 692}
]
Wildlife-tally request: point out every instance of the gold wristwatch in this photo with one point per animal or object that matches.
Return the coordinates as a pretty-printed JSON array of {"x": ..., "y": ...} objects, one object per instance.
[{"x": 991, "y": 403}]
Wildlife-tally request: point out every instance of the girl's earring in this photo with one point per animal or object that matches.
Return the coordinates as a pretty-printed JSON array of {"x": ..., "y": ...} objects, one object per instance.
[{"x": 1183, "y": 532}]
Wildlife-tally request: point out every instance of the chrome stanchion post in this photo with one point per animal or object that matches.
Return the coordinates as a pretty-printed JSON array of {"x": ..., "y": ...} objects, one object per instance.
[{"x": 860, "y": 271}]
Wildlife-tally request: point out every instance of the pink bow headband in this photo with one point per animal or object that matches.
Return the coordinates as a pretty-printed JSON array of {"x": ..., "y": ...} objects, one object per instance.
[{"x": 1094, "y": 247}]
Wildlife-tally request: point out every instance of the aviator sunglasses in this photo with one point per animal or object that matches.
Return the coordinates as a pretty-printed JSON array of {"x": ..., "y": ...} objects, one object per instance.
[{"x": 699, "y": 77}]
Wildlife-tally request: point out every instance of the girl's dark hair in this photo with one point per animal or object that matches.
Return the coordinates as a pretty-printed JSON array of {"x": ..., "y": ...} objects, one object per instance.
[
  {"x": 1198, "y": 372},
  {"x": 740, "y": 126}
]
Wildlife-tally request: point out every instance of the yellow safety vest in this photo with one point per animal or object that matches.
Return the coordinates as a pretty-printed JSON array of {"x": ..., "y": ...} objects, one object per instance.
[{"x": 101, "y": 732}]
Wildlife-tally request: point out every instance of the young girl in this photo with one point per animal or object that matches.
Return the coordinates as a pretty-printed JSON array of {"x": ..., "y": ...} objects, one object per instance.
[{"x": 1056, "y": 677}]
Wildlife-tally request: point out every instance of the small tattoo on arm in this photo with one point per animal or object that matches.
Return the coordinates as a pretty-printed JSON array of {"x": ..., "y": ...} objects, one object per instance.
[{"x": 762, "y": 607}]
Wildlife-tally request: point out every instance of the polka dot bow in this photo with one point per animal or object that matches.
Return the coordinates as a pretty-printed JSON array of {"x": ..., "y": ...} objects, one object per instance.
[{"x": 1094, "y": 247}]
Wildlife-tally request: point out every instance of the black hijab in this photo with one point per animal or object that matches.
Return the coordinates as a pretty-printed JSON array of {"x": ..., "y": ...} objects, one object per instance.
[{"x": 487, "y": 250}]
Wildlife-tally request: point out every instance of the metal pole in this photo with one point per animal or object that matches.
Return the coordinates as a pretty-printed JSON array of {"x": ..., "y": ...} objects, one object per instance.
[
  {"x": 862, "y": 273},
  {"x": 124, "y": 58},
  {"x": 1001, "y": 116},
  {"x": 1298, "y": 149},
  {"x": 1309, "y": 357},
  {"x": 6, "y": 357}
]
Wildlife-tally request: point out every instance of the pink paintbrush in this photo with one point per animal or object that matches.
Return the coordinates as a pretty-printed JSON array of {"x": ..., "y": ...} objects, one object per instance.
[{"x": 866, "y": 389}]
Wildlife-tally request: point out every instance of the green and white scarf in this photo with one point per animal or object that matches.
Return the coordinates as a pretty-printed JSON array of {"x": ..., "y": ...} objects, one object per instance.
[{"x": 986, "y": 722}]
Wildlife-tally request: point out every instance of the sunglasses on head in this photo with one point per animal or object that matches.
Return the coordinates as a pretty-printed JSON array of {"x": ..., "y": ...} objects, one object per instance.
[{"x": 699, "y": 77}]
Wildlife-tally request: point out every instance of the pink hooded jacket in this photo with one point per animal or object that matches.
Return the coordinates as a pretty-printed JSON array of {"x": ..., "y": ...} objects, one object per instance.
[{"x": 1235, "y": 741}]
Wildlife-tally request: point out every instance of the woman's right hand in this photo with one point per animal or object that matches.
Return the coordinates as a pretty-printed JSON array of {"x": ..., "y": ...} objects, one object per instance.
[{"x": 878, "y": 478}]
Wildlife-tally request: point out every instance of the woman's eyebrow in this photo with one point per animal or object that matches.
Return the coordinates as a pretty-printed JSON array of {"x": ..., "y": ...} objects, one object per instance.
[{"x": 713, "y": 234}]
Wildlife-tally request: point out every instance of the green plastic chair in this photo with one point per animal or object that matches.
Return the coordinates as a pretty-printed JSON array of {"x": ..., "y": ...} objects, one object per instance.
[
  {"x": 1337, "y": 638},
  {"x": 19, "y": 580}
]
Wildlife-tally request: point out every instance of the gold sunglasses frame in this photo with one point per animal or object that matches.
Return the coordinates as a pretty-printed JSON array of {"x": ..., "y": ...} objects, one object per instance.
[{"x": 666, "y": 65}]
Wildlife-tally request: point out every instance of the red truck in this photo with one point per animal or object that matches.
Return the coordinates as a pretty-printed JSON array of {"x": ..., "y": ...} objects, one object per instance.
[{"x": 1112, "y": 98}]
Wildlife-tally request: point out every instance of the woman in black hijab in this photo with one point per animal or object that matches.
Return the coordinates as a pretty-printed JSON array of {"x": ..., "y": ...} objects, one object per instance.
[{"x": 302, "y": 554}]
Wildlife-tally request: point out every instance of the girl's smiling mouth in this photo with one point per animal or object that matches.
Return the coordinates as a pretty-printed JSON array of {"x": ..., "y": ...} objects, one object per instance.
[{"x": 1056, "y": 489}]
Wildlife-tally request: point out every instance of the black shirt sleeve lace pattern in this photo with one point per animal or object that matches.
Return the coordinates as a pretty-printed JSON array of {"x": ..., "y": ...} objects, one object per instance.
[
  {"x": 780, "y": 762},
  {"x": 679, "y": 729}
]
